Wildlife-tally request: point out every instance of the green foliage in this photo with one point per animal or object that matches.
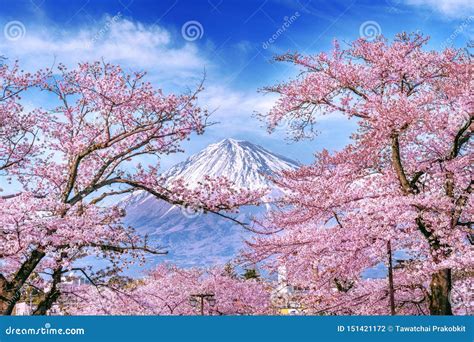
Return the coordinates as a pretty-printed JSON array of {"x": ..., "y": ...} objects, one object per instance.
[{"x": 251, "y": 273}]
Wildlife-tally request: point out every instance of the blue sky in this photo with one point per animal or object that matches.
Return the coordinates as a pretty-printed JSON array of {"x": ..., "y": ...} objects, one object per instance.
[{"x": 235, "y": 43}]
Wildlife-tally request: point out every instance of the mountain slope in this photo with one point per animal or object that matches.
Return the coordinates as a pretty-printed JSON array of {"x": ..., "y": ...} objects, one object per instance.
[{"x": 205, "y": 239}]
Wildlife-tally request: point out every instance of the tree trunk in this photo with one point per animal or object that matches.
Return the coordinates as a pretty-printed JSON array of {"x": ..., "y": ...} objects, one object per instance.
[
  {"x": 10, "y": 291},
  {"x": 50, "y": 297},
  {"x": 3, "y": 294},
  {"x": 8, "y": 296},
  {"x": 440, "y": 289}
]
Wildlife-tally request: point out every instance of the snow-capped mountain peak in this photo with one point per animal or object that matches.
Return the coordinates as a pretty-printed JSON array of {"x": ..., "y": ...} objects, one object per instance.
[
  {"x": 194, "y": 239},
  {"x": 245, "y": 164}
]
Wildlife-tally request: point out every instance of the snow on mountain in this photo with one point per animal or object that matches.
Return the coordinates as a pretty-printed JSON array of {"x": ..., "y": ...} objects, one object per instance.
[
  {"x": 205, "y": 239},
  {"x": 245, "y": 164}
]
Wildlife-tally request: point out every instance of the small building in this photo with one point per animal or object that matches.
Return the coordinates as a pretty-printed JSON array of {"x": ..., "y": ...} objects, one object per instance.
[
  {"x": 283, "y": 296},
  {"x": 22, "y": 309}
]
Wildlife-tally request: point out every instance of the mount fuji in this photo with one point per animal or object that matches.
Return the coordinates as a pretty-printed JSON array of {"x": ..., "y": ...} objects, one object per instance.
[{"x": 194, "y": 239}]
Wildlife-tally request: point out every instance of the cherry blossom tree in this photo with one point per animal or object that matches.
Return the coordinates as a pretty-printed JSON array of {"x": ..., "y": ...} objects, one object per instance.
[
  {"x": 18, "y": 135},
  {"x": 168, "y": 290},
  {"x": 399, "y": 194},
  {"x": 18, "y": 129},
  {"x": 102, "y": 125}
]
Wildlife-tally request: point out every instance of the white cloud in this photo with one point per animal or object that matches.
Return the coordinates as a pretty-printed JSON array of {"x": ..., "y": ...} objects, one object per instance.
[
  {"x": 224, "y": 99},
  {"x": 134, "y": 45},
  {"x": 172, "y": 63},
  {"x": 450, "y": 8},
  {"x": 234, "y": 109}
]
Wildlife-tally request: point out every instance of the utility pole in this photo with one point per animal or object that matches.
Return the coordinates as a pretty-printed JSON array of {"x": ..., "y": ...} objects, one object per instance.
[
  {"x": 390, "y": 279},
  {"x": 199, "y": 298}
]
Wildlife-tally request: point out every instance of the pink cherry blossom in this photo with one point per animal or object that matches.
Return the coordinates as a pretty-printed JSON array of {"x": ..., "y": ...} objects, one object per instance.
[
  {"x": 168, "y": 291},
  {"x": 405, "y": 179},
  {"x": 81, "y": 150}
]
